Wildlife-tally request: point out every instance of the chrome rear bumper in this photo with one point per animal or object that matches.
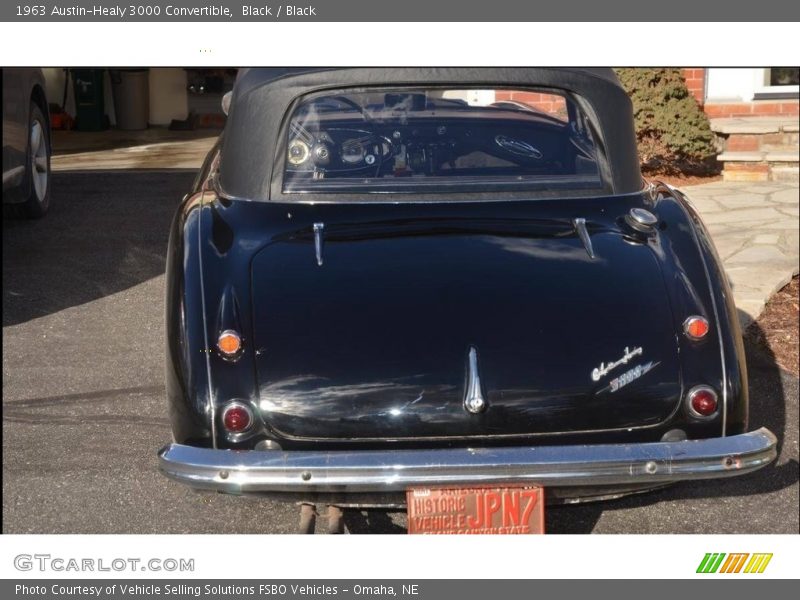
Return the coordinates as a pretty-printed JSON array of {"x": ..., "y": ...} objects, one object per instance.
[{"x": 249, "y": 471}]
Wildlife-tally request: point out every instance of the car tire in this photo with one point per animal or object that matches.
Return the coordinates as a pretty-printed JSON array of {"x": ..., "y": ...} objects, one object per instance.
[{"x": 36, "y": 186}]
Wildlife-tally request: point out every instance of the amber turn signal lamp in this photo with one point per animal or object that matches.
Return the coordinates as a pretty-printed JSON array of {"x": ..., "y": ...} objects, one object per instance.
[
  {"x": 237, "y": 418},
  {"x": 229, "y": 343},
  {"x": 695, "y": 327},
  {"x": 702, "y": 402}
]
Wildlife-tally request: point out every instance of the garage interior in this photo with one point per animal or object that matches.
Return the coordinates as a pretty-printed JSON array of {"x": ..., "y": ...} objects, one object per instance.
[{"x": 163, "y": 117}]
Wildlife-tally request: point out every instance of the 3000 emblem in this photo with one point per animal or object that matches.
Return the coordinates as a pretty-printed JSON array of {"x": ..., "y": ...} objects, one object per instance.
[{"x": 629, "y": 375}]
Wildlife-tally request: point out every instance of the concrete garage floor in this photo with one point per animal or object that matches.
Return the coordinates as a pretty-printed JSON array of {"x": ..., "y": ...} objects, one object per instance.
[
  {"x": 154, "y": 148},
  {"x": 66, "y": 143},
  {"x": 84, "y": 413}
]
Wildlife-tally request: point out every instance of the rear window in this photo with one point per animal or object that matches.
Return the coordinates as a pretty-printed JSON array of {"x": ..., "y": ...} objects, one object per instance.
[{"x": 438, "y": 140}]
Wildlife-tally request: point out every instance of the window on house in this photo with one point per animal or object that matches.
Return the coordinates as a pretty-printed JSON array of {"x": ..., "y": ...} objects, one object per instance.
[
  {"x": 776, "y": 83},
  {"x": 778, "y": 76}
]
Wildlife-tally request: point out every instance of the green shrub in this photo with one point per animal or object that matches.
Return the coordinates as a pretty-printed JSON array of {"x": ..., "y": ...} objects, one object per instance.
[{"x": 672, "y": 131}]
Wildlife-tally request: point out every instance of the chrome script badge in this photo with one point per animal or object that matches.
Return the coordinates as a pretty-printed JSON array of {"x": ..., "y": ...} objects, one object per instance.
[{"x": 604, "y": 368}]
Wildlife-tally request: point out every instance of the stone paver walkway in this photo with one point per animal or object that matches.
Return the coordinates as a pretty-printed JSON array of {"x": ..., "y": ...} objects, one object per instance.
[{"x": 755, "y": 227}]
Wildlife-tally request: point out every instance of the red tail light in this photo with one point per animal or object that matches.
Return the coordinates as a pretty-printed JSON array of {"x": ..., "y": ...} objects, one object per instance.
[
  {"x": 236, "y": 417},
  {"x": 702, "y": 402},
  {"x": 695, "y": 327}
]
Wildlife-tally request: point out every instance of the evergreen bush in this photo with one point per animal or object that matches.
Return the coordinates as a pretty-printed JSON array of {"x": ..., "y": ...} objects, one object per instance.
[{"x": 672, "y": 131}]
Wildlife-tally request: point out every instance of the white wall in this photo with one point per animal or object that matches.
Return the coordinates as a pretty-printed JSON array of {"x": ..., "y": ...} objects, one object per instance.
[
  {"x": 473, "y": 97},
  {"x": 168, "y": 95},
  {"x": 54, "y": 88},
  {"x": 732, "y": 84}
]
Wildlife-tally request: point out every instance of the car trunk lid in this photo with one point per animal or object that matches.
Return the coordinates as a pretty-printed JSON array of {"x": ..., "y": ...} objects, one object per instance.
[{"x": 378, "y": 326}]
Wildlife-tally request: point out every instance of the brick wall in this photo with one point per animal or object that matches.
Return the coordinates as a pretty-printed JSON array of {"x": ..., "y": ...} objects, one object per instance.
[
  {"x": 552, "y": 104},
  {"x": 696, "y": 82},
  {"x": 765, "y": 108}
]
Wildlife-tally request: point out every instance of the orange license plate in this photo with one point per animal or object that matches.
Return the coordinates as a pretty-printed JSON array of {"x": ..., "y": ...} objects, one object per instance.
[{"x": 504, "y": 510}]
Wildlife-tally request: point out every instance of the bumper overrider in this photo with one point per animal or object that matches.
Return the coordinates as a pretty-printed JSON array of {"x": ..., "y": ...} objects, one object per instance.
[{"x": 250, "y": 471}]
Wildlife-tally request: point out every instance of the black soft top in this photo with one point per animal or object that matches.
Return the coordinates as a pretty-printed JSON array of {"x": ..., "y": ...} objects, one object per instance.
[{"x": 262, "y": 99}]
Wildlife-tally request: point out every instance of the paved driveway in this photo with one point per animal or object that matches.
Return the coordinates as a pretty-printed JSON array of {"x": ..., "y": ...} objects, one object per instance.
[{"x": 83, "y": 408}]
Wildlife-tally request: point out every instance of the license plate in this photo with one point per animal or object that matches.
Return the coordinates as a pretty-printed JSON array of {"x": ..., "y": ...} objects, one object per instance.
[{"x": 496, "y": 510}]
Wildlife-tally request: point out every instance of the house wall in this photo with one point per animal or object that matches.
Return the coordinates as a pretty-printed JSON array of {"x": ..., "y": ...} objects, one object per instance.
[
  {"x": 168, "y": 95},
  {"x": 745, "y": 93}
]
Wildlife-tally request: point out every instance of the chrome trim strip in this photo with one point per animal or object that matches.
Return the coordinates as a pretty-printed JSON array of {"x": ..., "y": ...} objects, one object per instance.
[
  {"x": 474, "y": 401},
  {"x": 211, "y": 407},
  {"x": 246, "y": 471},
  {"x": 580, "y": 227},
  {"x": 318, "y": 231}
]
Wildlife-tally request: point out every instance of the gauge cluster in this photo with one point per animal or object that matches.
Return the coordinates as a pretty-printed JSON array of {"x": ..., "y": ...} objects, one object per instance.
[{"x": 336, "y": 150}]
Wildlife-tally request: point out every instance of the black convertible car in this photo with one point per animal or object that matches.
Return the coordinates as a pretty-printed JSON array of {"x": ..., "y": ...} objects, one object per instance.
[{"x": 429, "y": 287}]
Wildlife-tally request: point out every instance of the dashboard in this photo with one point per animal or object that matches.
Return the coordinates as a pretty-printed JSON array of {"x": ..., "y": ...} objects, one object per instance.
[{"x": 432, "y": 144}]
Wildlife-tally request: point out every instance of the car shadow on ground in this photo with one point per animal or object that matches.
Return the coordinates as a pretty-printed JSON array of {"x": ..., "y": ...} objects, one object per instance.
[
  {"x": 371, "y": 521},
  {"x": 767, "y": 409},
  {"x": 106, "y": 231}
]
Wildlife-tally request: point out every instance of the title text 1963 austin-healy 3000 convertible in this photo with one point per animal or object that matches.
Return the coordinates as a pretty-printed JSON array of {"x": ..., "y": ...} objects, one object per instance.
[{"x": 418, "y": 287}]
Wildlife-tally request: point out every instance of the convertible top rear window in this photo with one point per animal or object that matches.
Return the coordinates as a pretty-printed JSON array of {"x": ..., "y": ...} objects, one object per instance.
[{"x": 438, "y": 140}]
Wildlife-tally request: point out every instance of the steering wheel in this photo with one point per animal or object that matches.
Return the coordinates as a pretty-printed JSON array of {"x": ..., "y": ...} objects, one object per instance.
[{"x": 352, "y": 104}]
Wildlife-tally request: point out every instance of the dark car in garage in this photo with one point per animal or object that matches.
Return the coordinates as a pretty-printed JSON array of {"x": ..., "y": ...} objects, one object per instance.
[{"x": 26, "y": 142}]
